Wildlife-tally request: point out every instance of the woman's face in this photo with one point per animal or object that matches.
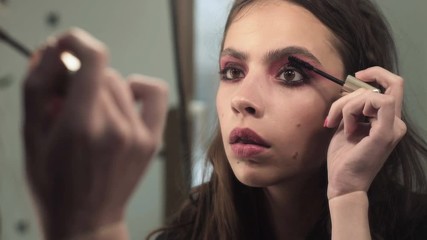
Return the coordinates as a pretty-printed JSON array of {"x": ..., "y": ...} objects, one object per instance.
[{"x": 271, "y": 114}]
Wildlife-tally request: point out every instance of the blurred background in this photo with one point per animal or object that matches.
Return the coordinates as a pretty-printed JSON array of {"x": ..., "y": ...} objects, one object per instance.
[{"x": 141, "y": 38}]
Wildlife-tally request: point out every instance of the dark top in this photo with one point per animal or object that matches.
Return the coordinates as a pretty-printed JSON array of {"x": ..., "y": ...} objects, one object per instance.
[
  {"x": 408, "y": 220},
  {"x": 321, "y": 233}
]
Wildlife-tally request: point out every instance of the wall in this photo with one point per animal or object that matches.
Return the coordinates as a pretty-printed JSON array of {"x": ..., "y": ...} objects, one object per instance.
[
  {"x": 139, "y": 36},
  {"x": 407, "y": 19}
]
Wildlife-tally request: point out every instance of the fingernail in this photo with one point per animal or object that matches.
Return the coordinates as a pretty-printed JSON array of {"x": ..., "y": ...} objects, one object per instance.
[{"x": 325, "y": 124}]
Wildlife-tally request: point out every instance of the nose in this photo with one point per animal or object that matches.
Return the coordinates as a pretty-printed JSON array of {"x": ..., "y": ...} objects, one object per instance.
[{"x": 248, "y": 100}]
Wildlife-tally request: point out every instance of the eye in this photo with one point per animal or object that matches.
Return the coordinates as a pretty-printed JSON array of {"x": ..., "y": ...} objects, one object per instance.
[
  {"x": 231, "y": 73},
  {"x": 291, "y": 75}
]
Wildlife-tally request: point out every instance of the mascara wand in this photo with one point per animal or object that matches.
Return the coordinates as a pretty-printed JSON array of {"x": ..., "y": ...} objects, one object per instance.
[
  {"x": 350, "y": 84},
  {"x": 4, "y": 36},
  {"x": 70, "y": 61}
]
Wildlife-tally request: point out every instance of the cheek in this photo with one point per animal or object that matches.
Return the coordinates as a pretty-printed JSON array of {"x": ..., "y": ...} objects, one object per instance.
[
  {"x": 302, "y": 123},
  {"x": 306, "y": 109},
  {"x": 310, "y": 136},
  {"x": 222, "y": 103},
  {"x": 219, "y": 108}
]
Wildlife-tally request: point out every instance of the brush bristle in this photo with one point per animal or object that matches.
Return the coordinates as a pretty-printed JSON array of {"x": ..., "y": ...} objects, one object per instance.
[{"x": 300, "y": 63}]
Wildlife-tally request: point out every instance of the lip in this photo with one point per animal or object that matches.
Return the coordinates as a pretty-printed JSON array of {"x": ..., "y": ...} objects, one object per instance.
[{"x": 246, "y": 143}]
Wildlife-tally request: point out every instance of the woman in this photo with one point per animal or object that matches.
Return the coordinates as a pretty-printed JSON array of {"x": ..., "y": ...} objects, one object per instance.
[
  {"x": 291, "y": 158},
  {"x": 281, "y": 127}
]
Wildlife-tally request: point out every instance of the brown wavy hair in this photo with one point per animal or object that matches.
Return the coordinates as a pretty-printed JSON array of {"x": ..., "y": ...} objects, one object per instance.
[{"x": 224, "y": 208}]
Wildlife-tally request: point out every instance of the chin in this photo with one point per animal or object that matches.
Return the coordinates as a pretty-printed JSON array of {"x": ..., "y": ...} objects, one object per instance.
[
  {"x": 257, "y": 181},
  {"x": 254, "y": 177},
  {"x": 253, "y": 183}
]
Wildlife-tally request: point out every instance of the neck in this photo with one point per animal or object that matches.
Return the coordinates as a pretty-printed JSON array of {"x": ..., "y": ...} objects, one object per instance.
[{"x": 295, "y": 207}]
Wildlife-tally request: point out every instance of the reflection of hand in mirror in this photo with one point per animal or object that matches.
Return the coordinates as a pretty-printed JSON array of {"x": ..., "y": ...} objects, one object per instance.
[{"x": 86, "y": 144}]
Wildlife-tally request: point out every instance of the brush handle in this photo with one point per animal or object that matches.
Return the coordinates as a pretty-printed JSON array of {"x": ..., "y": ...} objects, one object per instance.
[
  {"x": 70, "y": 61},
  {"x": 14, "y": 43},
  {"x": 352, "y": 84}
]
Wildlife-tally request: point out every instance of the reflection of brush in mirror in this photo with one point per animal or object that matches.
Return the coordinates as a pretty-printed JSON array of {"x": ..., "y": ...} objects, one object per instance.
[
  {"x": 14, "y": 44},
  {"x": 70, "y": 61}
]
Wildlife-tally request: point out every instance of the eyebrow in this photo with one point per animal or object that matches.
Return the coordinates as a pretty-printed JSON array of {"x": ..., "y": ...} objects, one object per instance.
[
  {"x": 278, "y": 54},
  {"x": 273, "y": 55},
  {"x": 234, "y": 53}
]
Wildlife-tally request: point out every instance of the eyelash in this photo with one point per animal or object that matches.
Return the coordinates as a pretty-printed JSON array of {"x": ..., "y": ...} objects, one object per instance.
[
  {"x": 287, "y": 67},
  {"x": 223, "y": 75}
]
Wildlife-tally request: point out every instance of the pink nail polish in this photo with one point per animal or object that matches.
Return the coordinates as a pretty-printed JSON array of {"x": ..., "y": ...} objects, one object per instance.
[{"x": 325, "y": 124}]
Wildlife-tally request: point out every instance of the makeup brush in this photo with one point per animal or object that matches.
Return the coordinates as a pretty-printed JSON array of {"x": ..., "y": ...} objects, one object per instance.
[
  {"x": 70, "y": 61},
  {"x": 350, "y": 84},
  {"x": 14, "y": 44}
]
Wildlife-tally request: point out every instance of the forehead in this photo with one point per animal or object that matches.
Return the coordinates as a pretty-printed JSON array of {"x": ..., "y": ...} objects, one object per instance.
[{"x": 275, "y": 24}]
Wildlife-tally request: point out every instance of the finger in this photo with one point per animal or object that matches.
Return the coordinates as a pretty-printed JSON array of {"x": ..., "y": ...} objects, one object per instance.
[
  {"x": 351, "y": 115},
  {"x": 384, "y": 106},
  {"x": 38, "y": 91},
  {"x": 377, "y": 106},
  {"x": 122, "y": 95},
  {"x": 336, "y": 111},
  {"x": 393, "y": 84},
  {"x": 153, "y": 94},
  {"x": 400, "y": 130},
  {"x": 353, "y": 112},
  {"x": 81, "y": 44},
  {"x": 93, "y": 56},
  {"x": 40, "y": 84}
]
